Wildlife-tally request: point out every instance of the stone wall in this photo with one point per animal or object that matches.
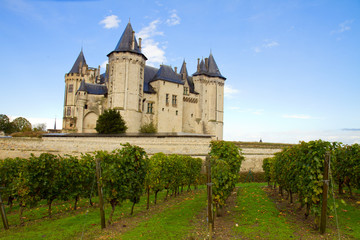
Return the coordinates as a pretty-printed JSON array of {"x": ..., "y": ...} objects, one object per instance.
[{"x": 75, "y": 144}]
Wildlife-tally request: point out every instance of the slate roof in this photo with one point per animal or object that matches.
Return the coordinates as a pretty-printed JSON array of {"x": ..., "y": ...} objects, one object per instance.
[
  {"x": 124, "y": 44},
  {"x": 149, "y": 74},
  {"x": 210, "y": 70},
  {"x": 191, "y": 85},
  {"x": 183, "y": 69},
  {"x": 95, "y": 89},
  {"x": 103, "y": 78},
  {"x": 166, "y": 73},
  {"x": 80, "y": 59}
]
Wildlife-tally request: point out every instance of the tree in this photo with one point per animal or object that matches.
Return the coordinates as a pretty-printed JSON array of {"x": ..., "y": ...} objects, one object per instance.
[
  {"x": 40, "y": 127},
  {"x": 110, "y": 122},
  {"x": 5, "y": 124},
  {"x": 21, "y": 124}
]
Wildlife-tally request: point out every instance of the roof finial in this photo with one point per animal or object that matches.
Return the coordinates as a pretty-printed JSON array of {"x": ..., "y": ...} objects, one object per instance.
[
  {"x": 129, "y": 19},
  {"x": 82, "y": 45}
]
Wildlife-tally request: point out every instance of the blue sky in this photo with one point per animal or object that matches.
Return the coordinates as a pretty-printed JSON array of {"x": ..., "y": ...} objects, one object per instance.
[{"x": 292, "y": 67}]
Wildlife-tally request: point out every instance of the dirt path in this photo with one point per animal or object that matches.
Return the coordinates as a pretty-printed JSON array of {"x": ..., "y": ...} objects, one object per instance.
[{"x": 223, "y": 224}]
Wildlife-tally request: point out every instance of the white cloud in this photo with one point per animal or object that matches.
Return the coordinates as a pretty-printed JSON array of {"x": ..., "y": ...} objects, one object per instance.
[
  {"x": 343, "y": 27},
  {"x": 229, "y": 91},
  {"x": 258, "y": 111},
  {"x": 111, "y": 21},
  {"x": 103, "y": 65},
  {"x": 257, "y": 49},
  {"x": 150, "y": 30},
  {"x": 267, "y": 44},
  {"x": 152, "y": 49},
  {"x": 270, "y": 44},
  {"x": 153, "y": 52},
  {"x": 297, "y": 116},
  {"x": 174, "y": 19}
]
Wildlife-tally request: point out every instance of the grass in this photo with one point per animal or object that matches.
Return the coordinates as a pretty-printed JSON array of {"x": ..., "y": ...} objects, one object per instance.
[
  {"x": 66, "y": 222},
  {"x": 254, "y": 216},
  {"x": 257, "y": 217},
  {"x": 173, "y": 223},
  {"x": 69, "y": 224},
  {"x": 349, "y": 217}
]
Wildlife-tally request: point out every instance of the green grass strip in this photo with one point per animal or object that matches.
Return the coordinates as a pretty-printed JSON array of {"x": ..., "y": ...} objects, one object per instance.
[
  {"x": 68, "y": 226},
  {"x": 257, "y": 216},
  {"x": 349, "y": 218},
  {"x": 172, "y": 223}
]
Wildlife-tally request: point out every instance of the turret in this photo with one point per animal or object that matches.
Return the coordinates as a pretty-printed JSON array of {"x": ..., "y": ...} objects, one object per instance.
[
  {"x": 72, "y": 83},
  {"x": 126, "y": 78},
  {"x": 209, "y": 83}
]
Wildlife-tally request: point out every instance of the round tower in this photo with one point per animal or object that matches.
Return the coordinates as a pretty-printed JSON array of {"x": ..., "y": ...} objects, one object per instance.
[
  {"x": 126, "y": 79},
  {"x": 72, "y": 83}
]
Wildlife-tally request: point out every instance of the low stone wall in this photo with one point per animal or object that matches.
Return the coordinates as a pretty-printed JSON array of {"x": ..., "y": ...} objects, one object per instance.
[{"x": 75, "y": 144}]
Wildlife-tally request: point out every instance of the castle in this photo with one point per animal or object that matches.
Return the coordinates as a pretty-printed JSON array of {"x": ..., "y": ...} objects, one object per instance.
[{"x": 173, "y": 101}]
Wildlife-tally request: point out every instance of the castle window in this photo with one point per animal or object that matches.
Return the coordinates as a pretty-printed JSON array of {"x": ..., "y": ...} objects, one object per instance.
[
  {"x": 139, "y": 104},
  {"x": 176, "y": 112},
  {"x": 174, "y": 101},
  {"x": 186, "y": 91},
  {"x": 71, "y": 88},
  {"x": 86, "y": 106},
  {"x": 167, "y": 99},
  {"x": 68, "y": 111},
  {"x": 192, "y": 115},
  {"x": 150, "y": 107}
]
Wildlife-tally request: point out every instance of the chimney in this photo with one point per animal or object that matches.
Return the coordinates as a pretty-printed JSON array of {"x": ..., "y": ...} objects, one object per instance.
[
  {"x": 133, "y": 40},
  {"x": 175, "y": 69},
  {"x": 206, "y": 63},
  {"x": 98, "y": 73},
  {"x": 140, "y": 44},
  {"x": 198, "y": 66}
]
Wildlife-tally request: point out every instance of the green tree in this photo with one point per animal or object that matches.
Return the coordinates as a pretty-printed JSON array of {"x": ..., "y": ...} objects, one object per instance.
[
  {"x": 40, "y": 127},
  {"x": 21, "y": 124},
  {"x": 110, "y": 122},
  {"x": 5, "y": 124}
]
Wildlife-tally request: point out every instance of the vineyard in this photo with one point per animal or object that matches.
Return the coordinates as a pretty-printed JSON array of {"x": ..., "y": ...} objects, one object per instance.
[{"x": 163, "y": 197}]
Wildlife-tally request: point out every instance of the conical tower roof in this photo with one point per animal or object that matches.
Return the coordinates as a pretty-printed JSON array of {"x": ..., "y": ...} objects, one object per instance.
[
  {"x": 183, "y": 70},
  {"x": 209, "y": 69},
  {"x": 213, "y": 69},
  {"x": 125, "y": 42},
  {"x": 79, "y": 61}
]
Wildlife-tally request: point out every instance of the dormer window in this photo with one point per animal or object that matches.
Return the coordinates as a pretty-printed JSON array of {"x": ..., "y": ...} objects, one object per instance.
[{"x": 186, "y": 91}]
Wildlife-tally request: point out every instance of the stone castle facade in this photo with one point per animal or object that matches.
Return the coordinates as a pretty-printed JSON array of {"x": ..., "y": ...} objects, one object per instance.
[{"x": 173, "y": 101}]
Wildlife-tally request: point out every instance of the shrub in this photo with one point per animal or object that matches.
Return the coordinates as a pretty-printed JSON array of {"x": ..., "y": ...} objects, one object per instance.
[
  {"x": 110, "y": 122},
  {"x": 148, "y": 128}
]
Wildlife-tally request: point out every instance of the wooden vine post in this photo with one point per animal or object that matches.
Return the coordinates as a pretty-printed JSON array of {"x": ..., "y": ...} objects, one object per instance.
[
  {"x": 3, "y": 214},
  {"x": 325, "y": 193},
  {"x": 101, "y": 200},
  {"x": 209, "y": 193}
]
